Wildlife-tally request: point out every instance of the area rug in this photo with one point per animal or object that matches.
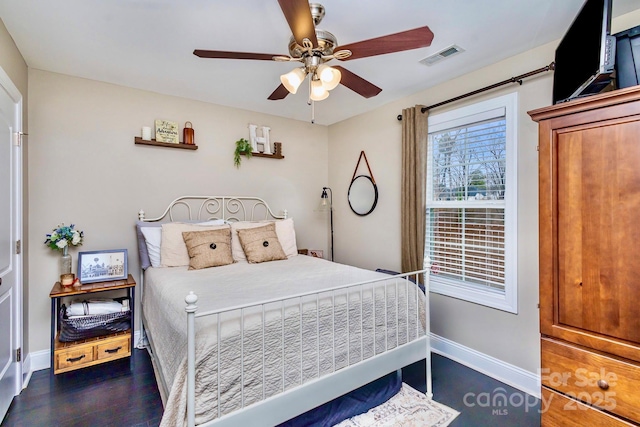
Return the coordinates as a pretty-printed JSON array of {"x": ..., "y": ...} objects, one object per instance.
[{"x": 408, "y": 408}]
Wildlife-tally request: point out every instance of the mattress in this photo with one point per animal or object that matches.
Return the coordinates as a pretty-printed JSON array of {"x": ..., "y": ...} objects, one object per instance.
[{"x": 280, "y": 346}]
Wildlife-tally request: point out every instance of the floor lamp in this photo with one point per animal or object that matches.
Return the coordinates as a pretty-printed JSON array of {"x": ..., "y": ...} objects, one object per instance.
[{"x": 326, "y": 203}]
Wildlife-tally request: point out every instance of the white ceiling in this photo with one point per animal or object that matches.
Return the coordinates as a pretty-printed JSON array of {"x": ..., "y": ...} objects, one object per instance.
[{"x": 148, "y": 44}]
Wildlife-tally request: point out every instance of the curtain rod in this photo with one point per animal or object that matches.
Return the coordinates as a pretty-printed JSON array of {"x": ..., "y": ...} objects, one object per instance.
[{"x": 516, "y": 79}]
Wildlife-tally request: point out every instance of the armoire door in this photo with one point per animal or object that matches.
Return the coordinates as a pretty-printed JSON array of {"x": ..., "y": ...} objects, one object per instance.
[
  {"x": 598, "y": 189},
  {"x": 590, "y": 237}
]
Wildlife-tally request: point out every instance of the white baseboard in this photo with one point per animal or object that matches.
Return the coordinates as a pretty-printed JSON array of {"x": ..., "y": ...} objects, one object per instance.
[
  {"x": 38, "y": 360},
  {"x": 507, "y": 373},
  {"x": 514, "y": 376},
  {"x": 26, "y": 371}
]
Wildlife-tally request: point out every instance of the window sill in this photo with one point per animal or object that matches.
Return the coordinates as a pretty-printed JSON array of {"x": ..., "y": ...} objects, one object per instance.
[{"x": 489, "y": 298}]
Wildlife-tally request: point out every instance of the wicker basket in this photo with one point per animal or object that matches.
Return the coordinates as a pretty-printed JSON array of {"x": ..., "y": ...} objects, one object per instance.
[{"x": 80, "y": 328}]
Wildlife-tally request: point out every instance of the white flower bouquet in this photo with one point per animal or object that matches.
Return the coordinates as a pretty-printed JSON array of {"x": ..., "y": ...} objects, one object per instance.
[{"x": 64, "y": 236}]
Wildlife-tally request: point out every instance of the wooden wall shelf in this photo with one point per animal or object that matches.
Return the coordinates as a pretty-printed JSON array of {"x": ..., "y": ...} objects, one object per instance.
[
  {"x": 155, "y": 143},
  {"x": 277, "y": 152},
  {"x": 269, "y": 156}
]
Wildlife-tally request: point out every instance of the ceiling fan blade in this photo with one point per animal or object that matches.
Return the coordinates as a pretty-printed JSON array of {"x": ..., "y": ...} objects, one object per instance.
[
  {"x": 300, "y": 21},
  {"x": 281, "y": 92},
  {"x": 232, "y": 55},
  {"x": 406, "y": 40},
  {"x": 357, "y": 83}
]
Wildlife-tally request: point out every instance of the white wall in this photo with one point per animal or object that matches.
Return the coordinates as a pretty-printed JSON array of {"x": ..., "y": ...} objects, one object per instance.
[
  {"x": 85, "y": 168},
  {"x": 625, "y": 22}
]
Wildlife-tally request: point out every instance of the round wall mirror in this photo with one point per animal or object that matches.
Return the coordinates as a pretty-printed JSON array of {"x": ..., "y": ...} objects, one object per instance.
[{"x": 363, "y": 195}]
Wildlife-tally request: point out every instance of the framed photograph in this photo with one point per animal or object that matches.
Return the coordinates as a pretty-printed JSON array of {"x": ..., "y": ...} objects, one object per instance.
[
  {"x": 316, "y": 253},
  {"x": 102, "y": 266}
]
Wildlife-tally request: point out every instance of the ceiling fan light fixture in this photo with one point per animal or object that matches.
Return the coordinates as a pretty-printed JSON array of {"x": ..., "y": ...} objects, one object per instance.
[
  {"x": 329, "y": 76},
  {"x": 293, "y": 79},
  {"x": 313, "y": 47},
  {"x": 318, "y": 91}
]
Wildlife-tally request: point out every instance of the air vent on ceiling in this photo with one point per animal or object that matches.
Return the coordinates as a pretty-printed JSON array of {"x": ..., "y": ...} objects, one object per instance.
[{"x": 443, "y": 54}]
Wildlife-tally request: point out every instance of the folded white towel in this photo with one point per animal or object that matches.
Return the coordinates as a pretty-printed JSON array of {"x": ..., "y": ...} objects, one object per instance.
[{"x": 93, "y": 307}]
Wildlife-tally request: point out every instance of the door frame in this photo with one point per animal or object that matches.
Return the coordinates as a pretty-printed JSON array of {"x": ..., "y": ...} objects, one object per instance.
[{"x": 7, "y": 84}]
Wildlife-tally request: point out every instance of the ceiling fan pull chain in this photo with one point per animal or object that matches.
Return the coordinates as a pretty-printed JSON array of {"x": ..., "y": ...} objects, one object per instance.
[
  {"x": 313, "y": 104},
  {"x": 310, "y": 102}
]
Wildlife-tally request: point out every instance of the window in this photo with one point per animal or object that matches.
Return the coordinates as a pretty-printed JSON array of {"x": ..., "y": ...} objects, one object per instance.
[{"x": 471, "y": 203}]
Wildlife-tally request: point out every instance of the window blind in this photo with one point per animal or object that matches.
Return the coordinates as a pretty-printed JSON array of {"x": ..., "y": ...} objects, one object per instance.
[
  {"x": 468, "y": 245},
  {"x": 466, "y": 187}
]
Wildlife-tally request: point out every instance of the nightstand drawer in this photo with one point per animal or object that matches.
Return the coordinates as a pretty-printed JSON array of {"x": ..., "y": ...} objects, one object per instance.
[
  {"x": 601, "y": 381},
  {"x": 74, "y": 357},
  {"x": 113, "y": 348}
]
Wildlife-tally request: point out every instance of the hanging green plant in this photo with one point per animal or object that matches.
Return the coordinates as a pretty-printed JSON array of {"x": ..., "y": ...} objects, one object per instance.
[{"x": 242, "y": 147}]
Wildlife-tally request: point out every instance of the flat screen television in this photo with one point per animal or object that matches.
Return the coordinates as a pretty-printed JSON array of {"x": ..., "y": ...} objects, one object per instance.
[{"x": 585, "y": 57}]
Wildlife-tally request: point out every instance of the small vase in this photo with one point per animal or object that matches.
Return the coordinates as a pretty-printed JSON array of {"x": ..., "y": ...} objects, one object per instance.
[{"x": 65, "y": 261}]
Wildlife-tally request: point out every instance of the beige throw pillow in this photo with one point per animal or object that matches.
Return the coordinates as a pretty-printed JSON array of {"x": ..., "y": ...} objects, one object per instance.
[
  {"x": 211, "y": 248},
  {"x": 284, "y": 229},
  {"x": 173, "y": 251},
  {"x": 261, "y": 244}
]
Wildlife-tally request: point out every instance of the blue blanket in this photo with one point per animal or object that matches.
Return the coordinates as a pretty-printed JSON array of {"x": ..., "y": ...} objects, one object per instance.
[{"x": 351, "y": 404}]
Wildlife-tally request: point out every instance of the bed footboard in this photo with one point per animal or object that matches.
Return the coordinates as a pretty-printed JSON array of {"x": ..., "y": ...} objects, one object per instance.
[{"x": 343, "y": 337}]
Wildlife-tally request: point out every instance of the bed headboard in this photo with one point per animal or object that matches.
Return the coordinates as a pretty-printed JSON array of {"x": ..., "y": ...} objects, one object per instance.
[{"x": 205, "y": 208}]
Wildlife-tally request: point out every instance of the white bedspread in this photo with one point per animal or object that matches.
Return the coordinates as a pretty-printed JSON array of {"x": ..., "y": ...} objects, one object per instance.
[{"x": 335, "y": 328}]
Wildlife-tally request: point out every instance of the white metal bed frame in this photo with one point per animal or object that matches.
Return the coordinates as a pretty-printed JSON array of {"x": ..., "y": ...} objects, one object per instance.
[{"x": 307, "y": 395}]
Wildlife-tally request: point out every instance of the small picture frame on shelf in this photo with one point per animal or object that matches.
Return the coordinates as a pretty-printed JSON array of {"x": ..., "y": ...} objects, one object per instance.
[{"x": 102, "y": 266}]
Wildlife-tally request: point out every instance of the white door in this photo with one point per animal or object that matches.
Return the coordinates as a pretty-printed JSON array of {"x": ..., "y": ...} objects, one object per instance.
[{"x": 10, "y": 233}]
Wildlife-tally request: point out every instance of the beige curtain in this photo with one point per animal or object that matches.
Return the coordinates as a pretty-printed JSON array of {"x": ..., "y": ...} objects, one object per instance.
[{"x": 414, "y": 170}]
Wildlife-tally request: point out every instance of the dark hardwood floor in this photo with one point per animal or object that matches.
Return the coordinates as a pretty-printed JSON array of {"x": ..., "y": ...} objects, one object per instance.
[
  {"x": 112, "y": 395},
  {"x": 103, "y": 395},
  {"x": 477, "y": 397}
]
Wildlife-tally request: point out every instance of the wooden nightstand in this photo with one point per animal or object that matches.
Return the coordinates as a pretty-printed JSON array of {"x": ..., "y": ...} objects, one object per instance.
[{"x": 68, "y": 356}]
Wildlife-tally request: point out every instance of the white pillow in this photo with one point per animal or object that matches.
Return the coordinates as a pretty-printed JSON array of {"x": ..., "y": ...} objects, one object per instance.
[
  {"x": 153, "y": 238},
  {"x": 284, "y": 229},
  {"x": 173, "y": 250},
  {"x": 287, "y": 235}
]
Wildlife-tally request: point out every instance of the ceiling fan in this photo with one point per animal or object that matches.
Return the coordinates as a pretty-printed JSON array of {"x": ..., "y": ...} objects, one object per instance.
[{"x": 314, "y": 47}]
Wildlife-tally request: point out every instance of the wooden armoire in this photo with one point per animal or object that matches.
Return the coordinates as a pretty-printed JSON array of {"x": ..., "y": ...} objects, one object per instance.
[{"x": 589, "y": 245}]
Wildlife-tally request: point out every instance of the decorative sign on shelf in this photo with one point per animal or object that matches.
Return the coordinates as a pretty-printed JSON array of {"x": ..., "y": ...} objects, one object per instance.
[
  {"x": 167, "y": 131},
  {"x": 260, "y": 144}
]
